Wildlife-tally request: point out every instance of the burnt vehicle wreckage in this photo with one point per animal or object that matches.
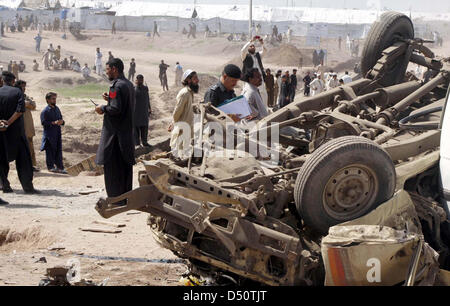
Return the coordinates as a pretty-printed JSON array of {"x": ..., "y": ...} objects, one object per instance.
[{"x": 359, "y": 162}]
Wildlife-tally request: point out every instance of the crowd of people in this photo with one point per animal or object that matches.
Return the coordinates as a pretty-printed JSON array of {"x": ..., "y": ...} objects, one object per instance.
[
  {"x": 32, "y": 23},
  {"x": 126, "y": 117}
]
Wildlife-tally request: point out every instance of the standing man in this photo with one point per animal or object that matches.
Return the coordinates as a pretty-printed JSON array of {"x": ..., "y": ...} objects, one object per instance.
[
  {"x": 3, "y": 150},
  {"x": 155, "y": 29},
  {"x": 277, "y": 87},
  {"x": 110, "y": 56},
  {"x": 58, "y": 53},
  {"x": 347, "y": 78},
  {"x": 132, "y": 70},
  {"x": 12, "y": 107},
  {"x": 293, "y": 84},
  {"x": 307, "y": 81},
  {"x": 285, "y": 92},
  {"x": 15, "y": 69},
  {"x": 270, "y": 87},
  {"x": 113, "y": 27},
  {"x": 46, "y": 58},
  {"x": 224, "y": 89},
  {"x": 317, "y": 85},
  {"x": 142, "y": 112},
  {"x": 333, "y": 82},
  {"x": 163, "y": 75},
  {"x": 252, "y": 59},
  {"x": 116, "y": 148},
  {"x": 178, "y": 74},
  {"x": 98, "y": 62},
  {"x": 30, "y": 105},
  {"x": 183, "y": 113},
  {"x": 52, "y": 120},
  {"x": 38, "y": 40},
  {"x": 340, "y": 43},
  {"x": 253, "y": 80}
]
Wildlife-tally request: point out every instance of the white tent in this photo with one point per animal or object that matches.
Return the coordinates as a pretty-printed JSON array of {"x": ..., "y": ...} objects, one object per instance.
[
  {"x": 12, "y": 4},
  {"x": 260, "y": 13}
]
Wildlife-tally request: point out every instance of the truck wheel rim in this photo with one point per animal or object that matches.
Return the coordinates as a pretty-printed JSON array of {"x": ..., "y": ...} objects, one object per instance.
[{"x": 350, "y": 192}]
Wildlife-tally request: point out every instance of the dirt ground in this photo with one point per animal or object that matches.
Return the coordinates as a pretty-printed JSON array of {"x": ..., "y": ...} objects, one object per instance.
[{"x": 48, "y": 225}]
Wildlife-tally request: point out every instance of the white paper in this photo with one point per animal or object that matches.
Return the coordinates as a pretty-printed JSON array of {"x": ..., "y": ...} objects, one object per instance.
[{"x": 238, "y": 106}]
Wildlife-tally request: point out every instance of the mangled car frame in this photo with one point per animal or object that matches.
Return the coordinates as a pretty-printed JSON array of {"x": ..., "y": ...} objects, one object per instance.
[{"x": 344, "y": 160}]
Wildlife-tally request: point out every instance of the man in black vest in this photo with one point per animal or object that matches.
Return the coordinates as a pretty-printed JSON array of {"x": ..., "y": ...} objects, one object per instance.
[
  {"x": 252, "y": 59},
  {"x": 116, "y": 148}
]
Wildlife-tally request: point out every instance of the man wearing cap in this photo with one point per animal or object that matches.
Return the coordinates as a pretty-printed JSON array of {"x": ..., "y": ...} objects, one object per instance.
[
  {"x": 142, "y": 111},
  {"x": 183, "y": 113},
  {"x": 224, "y": 90},
  {"x": 252, "y": 59}
]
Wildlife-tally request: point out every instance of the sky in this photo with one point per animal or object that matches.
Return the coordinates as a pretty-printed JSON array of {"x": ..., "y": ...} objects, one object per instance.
[{"x": 435, "y": 6}]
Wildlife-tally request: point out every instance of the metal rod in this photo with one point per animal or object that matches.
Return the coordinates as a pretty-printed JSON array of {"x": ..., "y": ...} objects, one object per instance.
[
  {"x": 250, "y": 20},
  {"x": 416, "y": 95}
]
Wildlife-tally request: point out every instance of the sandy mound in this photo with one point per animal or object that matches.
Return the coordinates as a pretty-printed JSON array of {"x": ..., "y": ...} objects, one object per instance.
[
  {"x": 33, "y": 237},
  {"x": 288, "y": 55},
  {"x": 347, "y": 65}
]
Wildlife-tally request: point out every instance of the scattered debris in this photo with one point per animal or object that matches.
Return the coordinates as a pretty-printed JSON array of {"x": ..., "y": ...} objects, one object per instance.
[
  {"x": 42, "y": 259},
  {"x": 56, "y": 247},
  {"x": 99, "y": 230},
  {"x": 86, "y": 192},
  {"x": 67, "y": 275},
  {"x": 109, "y": 223},
  {"x": 9, "y": 283}
]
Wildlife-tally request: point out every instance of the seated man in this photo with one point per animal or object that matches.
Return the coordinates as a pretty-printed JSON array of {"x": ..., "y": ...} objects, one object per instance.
[
  {"x": 65, "y": 64},
  {"x": 85, "y": 71},
  {"x": 76, "y": 66},
  {"x": 35, "y": 65}
]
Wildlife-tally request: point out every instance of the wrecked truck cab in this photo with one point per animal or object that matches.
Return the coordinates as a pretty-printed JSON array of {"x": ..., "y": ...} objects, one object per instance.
[{"x": 337, "y": 157}]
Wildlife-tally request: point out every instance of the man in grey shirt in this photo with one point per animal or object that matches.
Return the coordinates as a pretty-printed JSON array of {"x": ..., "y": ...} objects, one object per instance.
[{"x": 253, "y": 79}]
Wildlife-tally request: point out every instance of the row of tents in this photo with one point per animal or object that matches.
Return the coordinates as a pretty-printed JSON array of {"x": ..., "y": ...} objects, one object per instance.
[{"x": 261, "y": 13}]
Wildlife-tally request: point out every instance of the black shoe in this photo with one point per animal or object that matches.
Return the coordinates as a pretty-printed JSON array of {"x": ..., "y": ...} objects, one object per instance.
[
  {"x": 32, "y": 191},
  {"x": 3, "y": 202},
  {"x": 146, "y": 144},
  {"x": 36, "y": 169},
  {"x": 7, "y": 189}
]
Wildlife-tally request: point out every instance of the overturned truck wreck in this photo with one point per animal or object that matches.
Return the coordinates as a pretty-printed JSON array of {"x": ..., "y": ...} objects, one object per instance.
[{"x": 341, "y": 156}]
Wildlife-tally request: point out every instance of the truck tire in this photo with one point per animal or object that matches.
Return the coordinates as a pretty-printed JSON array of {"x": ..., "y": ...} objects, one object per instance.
[
  {"x": 342, "y": 180},
  {"x": 383, "y": 34}
]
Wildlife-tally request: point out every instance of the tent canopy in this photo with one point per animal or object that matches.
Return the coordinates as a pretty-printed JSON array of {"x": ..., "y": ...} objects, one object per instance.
[{"x": 260, "y": 12}]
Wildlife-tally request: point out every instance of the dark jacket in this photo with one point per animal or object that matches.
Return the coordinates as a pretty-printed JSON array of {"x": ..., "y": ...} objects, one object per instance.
[
  {"x": 217, "y": 94},
  {"x": 294, "y": 80},
  {"x": 12, "y": 101},
  {"x": 142, "y": 106},
  {"x": 52, "y": 132},
  {"x": 118, "y": 122},
  {"x": 132, "y": 67},
  {"x": 285, "y": 92},
  {"x": 248, "y": 64}
]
